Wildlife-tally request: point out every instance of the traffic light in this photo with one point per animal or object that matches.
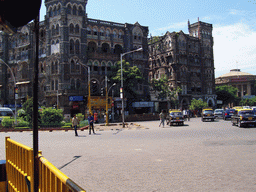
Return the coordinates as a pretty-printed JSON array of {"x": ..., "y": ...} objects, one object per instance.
[
  {"x": 101, "y": 91},
  {"x": 17, "y": 13}
]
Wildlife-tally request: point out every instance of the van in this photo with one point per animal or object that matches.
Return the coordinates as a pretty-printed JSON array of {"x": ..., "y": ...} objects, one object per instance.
[{"x": 5, "y": 112}]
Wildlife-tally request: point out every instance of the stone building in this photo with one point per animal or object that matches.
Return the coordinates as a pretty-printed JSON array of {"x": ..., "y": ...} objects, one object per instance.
[
  {"x": 244, "y": 82},
  {"x": 187, "y": 61},
  {"x": 69, "y": 41}
]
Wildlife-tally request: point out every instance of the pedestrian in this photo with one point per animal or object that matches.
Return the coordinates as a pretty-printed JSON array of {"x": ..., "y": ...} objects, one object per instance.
[
  {"x": 75, "y": 122},
  {"x": 188, "y": 114},
  {"x": 161, "y": 115},
  {"x": 90, "y": 121}
]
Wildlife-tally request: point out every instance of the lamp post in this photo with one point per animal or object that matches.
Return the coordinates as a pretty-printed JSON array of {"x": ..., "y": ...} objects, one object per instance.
[
  {"x": 15, "y": 98},
  {"x": 122, "y": 81},
  {"x": 89, "y": 86},
  {"x": 107, "y": 91}
]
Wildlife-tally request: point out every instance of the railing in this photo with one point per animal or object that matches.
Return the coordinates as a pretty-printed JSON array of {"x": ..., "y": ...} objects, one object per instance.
[{"x": 19, "y": 169}]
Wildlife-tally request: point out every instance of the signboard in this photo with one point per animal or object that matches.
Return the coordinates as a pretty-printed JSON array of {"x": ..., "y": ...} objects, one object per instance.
[
  {"x": 219, "y": 102},
  {"x": 76, "y": 98},
  {"x": 98, "y": 102},
  {"x": 143, "y": 104}
]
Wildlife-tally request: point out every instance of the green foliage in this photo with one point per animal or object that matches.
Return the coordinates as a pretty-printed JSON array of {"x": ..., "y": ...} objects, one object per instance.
[
  {"x": 226, "y": 93},
  {"x": 83, "y": 123},
  {"x": 197, "y": 104},
  {"x": 80, "y": 116},
  {"x": 163, "y": 91},
  {"x": 21, "y": 113},
  {"x": 23, "y": 123},
  {"x": 248, "y": 102},
  {"x": 7, "y": 122},
  {"x": 131, "y": 77},
  {"x": 51, "y": 117},
  {"x": 28, "y": 108}
]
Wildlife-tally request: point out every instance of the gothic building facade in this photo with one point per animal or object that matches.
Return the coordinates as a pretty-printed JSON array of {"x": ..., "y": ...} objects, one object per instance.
[
  {"x": 69, "y": 43},
  {"x": 187, "y": 61}
]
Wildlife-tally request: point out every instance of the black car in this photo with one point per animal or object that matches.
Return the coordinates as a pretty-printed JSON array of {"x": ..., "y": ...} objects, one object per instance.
[
  {"x": 243, "y": 117},
  {"x": 228, "y": 113}
]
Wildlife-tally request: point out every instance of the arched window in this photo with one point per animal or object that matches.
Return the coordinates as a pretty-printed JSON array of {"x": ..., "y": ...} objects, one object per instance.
[
  {"x": 101, "y": 32},
  {"x": 80, "y": 11},
  {"x": 114, "y": 34},
  {"x": 69, "y": 9},
  {"x": 77, "y": 29},
  {"x": 58, "y": 10},
  {"x": 74, "y": 10},
  {"x": 54, "y": 11},
  {"x": 118, "y": 49},
  {"x": 71, "y": 42},
  {"x": 71, "y": 28},
  {"x": 92, "y": 47},
  {"x": 135, "y": 36},
  {"x": 53, "y": 30},
  {"x": 50, "y": 12},
  {"x": 73, "y": 67},
  {"x": 139, "y": 36},
  {"x": 77, "y": 47},
  {"x": 105, "y": 48},
  {"x": 78, "y": 84},
  {"x": 95, "y": 31},
  {"x": 120, "y": 35},
  {"x": 57, "y": 29},
  {"x": 89, "y": 31},
  {"x": 72, "y": 84},
  {"x": 107, "y": 33}
]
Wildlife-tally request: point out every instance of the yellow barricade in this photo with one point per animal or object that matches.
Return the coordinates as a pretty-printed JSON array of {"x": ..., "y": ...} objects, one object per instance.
[{"x": 19, "y": 169}]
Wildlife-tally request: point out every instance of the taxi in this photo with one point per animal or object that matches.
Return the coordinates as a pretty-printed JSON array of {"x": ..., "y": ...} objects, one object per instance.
[
  {"x": 175, "y": 117},
  {"x": 243, "y": 117},
  {"x": 208, "y": 114}
]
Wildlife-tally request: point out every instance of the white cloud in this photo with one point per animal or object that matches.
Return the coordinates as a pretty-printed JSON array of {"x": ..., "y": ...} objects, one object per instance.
[{"x": 234, "y": 47}]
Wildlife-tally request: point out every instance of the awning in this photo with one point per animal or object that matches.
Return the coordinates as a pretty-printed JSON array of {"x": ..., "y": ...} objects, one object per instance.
[{"x": 22, "y": 82}]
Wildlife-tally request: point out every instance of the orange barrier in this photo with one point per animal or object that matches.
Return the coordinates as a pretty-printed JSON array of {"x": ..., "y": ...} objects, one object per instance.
[{"x": 19, "y": 169}]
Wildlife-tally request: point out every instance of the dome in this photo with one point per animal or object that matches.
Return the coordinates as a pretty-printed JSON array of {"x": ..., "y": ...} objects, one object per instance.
[{"x": 235, "y": 73}]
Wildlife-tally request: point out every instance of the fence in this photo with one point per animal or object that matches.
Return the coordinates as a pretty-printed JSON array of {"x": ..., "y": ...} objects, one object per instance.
[{"x": 19, "y": 168}]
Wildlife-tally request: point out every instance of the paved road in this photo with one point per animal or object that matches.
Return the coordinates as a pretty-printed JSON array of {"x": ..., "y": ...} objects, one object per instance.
[{"x": 200, "y": 156}]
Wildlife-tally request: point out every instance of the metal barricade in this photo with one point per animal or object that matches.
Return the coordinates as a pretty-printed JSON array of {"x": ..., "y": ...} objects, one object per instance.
[{"x": 19, "y": 168}]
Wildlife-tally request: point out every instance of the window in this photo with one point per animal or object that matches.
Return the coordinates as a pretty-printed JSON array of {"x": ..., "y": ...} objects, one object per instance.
[
  {"x": 69, "y": 9},
  {"x": 74, "y": 10},
  {"x": 107, "y": 33},
  {"x": 95, "y": 32},
  {"x": 89, "y": 32},
  {"x": 57, "y": 29},
  {"x": 71, "y": 28},
  {"x": 101, "y": 32},
  {"x": 77, "y": 29},
  {"x": 77, "y": 47},
  {"x": 71, "y": 46},
  {"x": 114, "y": 35}
]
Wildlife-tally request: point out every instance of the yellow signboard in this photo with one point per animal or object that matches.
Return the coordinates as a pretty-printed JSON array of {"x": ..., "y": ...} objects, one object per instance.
[{"x": 99, "y": 102}]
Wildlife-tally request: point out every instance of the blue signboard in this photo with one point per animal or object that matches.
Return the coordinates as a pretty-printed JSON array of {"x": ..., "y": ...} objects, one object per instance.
[{"x": 76, "y": 98}]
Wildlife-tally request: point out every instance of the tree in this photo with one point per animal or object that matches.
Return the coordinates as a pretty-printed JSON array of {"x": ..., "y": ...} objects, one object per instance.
[
  {"x": 28, "y": 108},
  {"x": 51, "y": 117},
  {"x": 227, "y": 93},
  {"x": 131, "y": 77},
  {"x": 163, "y": 91},
  {"x": 197, "y": 104}
]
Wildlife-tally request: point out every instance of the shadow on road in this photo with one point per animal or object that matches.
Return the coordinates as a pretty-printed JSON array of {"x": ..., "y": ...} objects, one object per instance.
[{"x": 75, "y": 158}]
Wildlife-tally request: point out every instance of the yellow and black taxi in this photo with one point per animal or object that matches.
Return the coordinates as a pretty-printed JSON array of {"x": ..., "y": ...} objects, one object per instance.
[
  {"x": 175, "y": 117},
  {"x": 208, "y": 114},
  {"x": 242, "y": 117}
]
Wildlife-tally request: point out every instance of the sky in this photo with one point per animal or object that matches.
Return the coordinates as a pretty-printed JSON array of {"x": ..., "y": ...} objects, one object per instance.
[{"x": 234, "y": 24}]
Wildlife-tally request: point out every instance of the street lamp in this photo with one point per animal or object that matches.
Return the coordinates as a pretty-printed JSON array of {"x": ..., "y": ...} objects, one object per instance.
[
  {"x": 15, "y": 98},
  {"x": 107, "y": 91},
  {"x": 89, "y": 86},
  {"x": 122, "y": 81}
]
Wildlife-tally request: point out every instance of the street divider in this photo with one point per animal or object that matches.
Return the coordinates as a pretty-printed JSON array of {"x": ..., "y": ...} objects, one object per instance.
[{"x": 19, "y": 169}]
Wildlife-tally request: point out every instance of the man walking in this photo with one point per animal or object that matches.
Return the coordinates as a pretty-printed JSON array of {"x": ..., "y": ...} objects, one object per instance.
[
  {"x": 90, "y": 121},
  {"x": 75, "y": 122},
  {"x": 161, "y": 115}
]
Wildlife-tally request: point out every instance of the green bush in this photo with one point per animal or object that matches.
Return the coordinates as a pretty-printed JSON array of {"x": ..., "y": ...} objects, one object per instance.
[
  {"x": 23, "y": 124},
  {"x": 51, "y": 117},
  {"x": 7, "y": 122},
  {"x": 83, "y": 123}
]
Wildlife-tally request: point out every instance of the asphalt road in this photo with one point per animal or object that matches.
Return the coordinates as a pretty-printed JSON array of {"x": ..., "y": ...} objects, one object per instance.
[{"x": 200, "y": 156}]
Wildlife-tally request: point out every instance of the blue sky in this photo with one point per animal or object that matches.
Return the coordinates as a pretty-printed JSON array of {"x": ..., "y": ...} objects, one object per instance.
[{"x": 234, "y": 24}]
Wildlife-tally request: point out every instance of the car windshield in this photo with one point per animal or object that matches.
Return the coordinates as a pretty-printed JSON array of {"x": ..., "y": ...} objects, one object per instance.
[
  {"x": 6, "y": 113},
  {"x": 218, "y": 110},
  {"x": 208, "y": 112},
  {"x": 245, "y": 113},
  {"x": 175, "y": 113}
]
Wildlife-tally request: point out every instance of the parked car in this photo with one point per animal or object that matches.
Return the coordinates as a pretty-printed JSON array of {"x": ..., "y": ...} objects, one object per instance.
[
  {"x": 5, "y": 112},
  {"x": 243, "y": 117},
  {"x": 208, "y": 114},
  {"x": 228, "y": 113},
  {"x": 218, "y": 113},
  {"x": 175, "y": 116}
]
